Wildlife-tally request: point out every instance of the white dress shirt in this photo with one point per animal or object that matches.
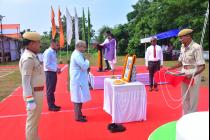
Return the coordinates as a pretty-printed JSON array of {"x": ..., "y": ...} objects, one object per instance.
[
  {"x": 50, "y": 60},
  {"x": 149, "y": 55}
]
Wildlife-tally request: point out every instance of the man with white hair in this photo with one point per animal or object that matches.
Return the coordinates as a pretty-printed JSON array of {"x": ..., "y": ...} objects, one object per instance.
[
  {"x": 79, "y": 67},
  {"x": 153, "y": 61}
]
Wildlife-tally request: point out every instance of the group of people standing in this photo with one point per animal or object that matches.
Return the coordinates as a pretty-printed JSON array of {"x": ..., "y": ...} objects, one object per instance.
[
  {"x": 191, "y": 61},
  {"x": 34, "y": 72}
]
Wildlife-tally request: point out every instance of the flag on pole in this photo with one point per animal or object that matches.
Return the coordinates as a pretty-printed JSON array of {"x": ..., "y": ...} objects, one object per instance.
[
  {"x": 53, "y": 23},
  {"x": 76, "y": 26},
  {"x": 69, "y": 31},
  {"x": 83, "y": 27},
  {"x": 88, "y": 30},
  {"x": 60, "y": 29}
]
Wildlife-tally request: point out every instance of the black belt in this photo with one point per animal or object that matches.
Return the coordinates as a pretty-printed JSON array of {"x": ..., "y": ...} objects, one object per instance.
[{"x": 154, "y": 61}]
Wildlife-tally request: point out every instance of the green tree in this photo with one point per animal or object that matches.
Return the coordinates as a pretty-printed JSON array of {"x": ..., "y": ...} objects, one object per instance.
[{"x": 155, "y": 16}]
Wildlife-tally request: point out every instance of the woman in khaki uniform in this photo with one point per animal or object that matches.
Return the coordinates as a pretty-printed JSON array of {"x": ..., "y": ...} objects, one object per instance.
[
  {"x": 192, "y": 62},
  {"x": 32, "y": 74}
]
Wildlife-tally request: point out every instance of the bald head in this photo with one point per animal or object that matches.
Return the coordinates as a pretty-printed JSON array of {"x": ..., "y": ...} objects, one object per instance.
[{"x": 81, "y": 46}]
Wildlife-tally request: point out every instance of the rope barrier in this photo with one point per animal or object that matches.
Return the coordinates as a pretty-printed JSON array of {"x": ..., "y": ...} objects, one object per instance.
[{"x": 183, "y": 97}]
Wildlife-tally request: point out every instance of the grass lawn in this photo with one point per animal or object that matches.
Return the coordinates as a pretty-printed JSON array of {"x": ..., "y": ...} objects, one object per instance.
[{"x": 10, "y": 77}]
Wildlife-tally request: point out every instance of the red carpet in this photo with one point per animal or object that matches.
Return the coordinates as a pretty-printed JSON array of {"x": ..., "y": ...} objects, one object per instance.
[{"x": 61, "y": 125}]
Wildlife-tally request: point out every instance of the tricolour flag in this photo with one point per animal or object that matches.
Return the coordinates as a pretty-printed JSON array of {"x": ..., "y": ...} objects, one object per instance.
[
  {"x": 60, "y": 29},
  {"x": 69, "y": 31},
  {"x": 53, "y": 23},
  {"x": 76, "y": 21}
]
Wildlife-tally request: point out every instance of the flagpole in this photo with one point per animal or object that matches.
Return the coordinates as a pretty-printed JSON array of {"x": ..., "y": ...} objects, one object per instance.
[{"x": 67, "y": 53}]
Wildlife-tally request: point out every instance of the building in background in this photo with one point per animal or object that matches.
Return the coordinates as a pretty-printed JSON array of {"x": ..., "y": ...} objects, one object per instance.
[{"x": 10, "y": 42}]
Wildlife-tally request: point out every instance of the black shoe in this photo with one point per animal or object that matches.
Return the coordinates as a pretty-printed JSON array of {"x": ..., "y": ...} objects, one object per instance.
[
  {"x": 110, "y": 125},
  {"x": 55, "y": 106},
  {"x": 83, "y": 119},
  {"x": 106, "y": 69},
  {"x": 90, "y": 87},
  {"x": 84, "y": 116},
  {"x": 150, "y": 89},
  {"x": 54, "y": 109},
  {"x": 116, "y": 128},
  {"x": 156, "y": 89},
  {"x": 99, "y": 70}
]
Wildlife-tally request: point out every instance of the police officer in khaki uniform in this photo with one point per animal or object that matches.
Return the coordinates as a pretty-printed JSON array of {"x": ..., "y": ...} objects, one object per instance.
[
  {"x": 32, "y": 73},
  {"x": 192, "y": 62}
]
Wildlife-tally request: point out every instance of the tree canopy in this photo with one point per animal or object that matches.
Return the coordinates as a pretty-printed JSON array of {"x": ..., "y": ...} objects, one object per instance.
[{"x": 150, "y": 17}]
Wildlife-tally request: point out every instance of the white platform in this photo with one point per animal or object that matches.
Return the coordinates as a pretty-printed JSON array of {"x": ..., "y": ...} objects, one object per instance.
[
  {"x": 97, "y": 82},
  {"x": 193, "y": 126}
]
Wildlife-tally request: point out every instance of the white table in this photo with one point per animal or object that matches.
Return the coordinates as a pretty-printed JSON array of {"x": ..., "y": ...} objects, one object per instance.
[
  {"x": 125, "y": 103},
  {"x": 193, "y": 126}
]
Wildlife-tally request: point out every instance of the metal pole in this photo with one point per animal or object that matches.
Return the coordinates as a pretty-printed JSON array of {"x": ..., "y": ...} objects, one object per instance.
[
  {"x": 67, "y": 54},
  {"x": 204, "y": 26},
  {"x": 1, "y": 18}
]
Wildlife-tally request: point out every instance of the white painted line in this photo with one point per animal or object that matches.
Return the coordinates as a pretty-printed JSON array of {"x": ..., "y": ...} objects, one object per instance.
[
  {"x": 10, "y": 94},
  {"x": 7, "y": 74},
  {"x": 46, "y": 113}
]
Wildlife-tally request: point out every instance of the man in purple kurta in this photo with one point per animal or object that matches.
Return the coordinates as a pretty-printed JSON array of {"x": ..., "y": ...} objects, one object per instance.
[{"x": 110, "y": 54}]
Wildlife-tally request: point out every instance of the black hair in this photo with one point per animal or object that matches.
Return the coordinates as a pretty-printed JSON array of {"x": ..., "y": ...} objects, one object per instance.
[{"x": 108, "y": 32}]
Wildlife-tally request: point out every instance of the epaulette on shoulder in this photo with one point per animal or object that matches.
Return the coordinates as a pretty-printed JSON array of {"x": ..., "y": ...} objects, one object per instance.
[
  {"x": 197, "y": 46},
  {"x": 27, "y": 56}
]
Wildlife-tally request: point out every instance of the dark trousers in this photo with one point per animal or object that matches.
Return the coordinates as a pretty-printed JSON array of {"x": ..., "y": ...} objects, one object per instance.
[
  {"x": 78, "y": 110},
  {"x": 107, "y": 64},
  {"x": 51, "y": 80},
  {"x": 153, "y": 67}
]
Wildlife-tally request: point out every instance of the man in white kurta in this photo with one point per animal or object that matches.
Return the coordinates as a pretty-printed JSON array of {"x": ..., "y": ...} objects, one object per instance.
[{"x": 79, "y": 88}]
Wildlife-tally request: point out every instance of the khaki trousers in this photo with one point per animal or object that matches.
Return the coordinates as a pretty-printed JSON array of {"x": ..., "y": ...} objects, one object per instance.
[
  {"x": 190, "y": 102},
  {"x": 33, "y": 117}
]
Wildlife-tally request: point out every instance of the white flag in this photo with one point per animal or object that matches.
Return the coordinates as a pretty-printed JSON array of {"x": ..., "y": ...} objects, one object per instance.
[
  {"x": 69, "y": 31},
  {"x": 76, "y": 26}
]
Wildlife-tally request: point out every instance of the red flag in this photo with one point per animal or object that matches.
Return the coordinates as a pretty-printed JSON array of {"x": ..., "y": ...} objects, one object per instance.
[
  {"x": 172, "y": 78},
  {"x": 53, "y": 23},
  {"x": 60, "y": 29}
]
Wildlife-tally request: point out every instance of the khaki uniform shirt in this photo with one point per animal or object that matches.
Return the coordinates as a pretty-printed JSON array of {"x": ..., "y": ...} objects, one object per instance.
[
  {"x": 192, "y": 55},
  {"x": 32, "y": 72}
]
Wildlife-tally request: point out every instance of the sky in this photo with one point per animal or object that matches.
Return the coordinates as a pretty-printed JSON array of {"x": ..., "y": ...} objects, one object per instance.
[{"x": 36, "y": 14}]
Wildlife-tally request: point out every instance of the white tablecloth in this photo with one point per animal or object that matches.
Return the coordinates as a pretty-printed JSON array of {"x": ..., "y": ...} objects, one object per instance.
[
  {"x": 125, "y": 103},
  {"x": 193, "y": 126}
]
